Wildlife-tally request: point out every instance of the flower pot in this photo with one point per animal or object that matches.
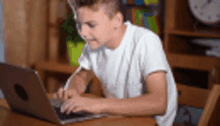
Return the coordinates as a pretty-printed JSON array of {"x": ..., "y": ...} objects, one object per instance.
[{"x": 74, "y": 52}]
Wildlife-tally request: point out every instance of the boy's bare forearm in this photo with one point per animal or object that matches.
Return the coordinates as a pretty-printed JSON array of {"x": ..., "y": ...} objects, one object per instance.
[
  {"x": 79, "y": 80},
  {"x": 78, "y": 83},
  {"x": 145, "y": 105}
]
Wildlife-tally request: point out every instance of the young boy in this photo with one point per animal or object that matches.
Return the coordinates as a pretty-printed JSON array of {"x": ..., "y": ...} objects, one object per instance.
[{"x": 128, "y": 60}]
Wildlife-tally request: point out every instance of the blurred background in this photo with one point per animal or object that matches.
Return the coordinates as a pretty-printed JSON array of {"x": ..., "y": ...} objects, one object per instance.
[
  {"x": 41, "y": 35},
  {"x": 2, "y": 58}
]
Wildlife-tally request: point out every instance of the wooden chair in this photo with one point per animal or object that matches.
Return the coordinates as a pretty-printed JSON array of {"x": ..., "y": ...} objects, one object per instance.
[{"x": 208, "y": 100}]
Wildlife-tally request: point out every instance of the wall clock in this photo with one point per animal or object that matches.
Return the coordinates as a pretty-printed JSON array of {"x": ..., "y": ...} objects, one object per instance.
[{"x": 206, "y": 11}]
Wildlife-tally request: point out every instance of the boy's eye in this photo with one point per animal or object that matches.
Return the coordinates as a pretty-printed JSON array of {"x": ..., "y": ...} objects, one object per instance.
[
  {"x": 78, "y": 26},
  {"x": 91, "y": 26}
]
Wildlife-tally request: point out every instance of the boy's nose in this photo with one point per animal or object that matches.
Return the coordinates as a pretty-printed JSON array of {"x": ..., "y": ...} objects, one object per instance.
[{"x": 84, "y": 32}]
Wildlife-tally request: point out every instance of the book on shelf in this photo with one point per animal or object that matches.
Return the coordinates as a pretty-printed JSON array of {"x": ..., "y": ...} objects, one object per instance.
[
  {"x": 150, "y": 22},
  {"x": 146, "y": 19},
  {"x": 147, "y": 2},
  {"x": 139, "y": 16},
  {"x": 140, "y": 2}
]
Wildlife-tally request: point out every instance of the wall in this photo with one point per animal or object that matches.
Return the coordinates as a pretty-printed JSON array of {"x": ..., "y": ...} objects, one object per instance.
[
  {"x": 2, "y": 58},
  {"x": 24, "y": 31},
  {"x": 15, "y": 31}
]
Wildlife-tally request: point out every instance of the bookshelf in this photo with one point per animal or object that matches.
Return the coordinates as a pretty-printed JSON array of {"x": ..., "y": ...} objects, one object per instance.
[
  {"x": 56, "y": 59},
  {"x": 179, "y": 31},
  {"x": 154, "y": 20},
  {"x": 55, "y": 62}
]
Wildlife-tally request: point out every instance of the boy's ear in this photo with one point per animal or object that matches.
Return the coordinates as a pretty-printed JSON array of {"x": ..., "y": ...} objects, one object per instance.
[{"x": 117, "y": 20}]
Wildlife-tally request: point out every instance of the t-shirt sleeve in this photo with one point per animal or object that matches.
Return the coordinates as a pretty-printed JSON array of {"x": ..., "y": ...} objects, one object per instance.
[
  {"x": 84, "y": 59},
  {"x": 152, "y": 56}
]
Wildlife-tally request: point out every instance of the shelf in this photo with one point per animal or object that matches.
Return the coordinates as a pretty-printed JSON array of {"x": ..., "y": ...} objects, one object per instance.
[
  {"x": 54, "y": 66},
  {"x": 191, "y": 61},
  {"x": 208, "y": 34},
  {"x": 181, "y": 27},
  {"x": 196, "y": 78}
]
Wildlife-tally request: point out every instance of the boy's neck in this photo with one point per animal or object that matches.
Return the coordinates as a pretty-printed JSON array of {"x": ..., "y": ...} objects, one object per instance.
[{"x": 117, "y": 38}]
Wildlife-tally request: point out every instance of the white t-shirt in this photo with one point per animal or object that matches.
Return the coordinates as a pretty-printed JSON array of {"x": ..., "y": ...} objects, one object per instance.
[{"x": 122, "y": 71}]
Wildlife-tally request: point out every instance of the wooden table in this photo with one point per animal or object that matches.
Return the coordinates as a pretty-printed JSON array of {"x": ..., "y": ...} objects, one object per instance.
[{"x": 10, "y": 118}]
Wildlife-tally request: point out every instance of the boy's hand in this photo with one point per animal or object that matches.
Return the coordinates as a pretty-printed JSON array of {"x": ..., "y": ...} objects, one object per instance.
[
  {"x": 77, "y": 104},
  {"x": 66, "y": 94}
]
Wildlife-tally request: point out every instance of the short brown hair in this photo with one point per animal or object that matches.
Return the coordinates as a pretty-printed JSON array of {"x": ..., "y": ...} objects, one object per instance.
[{"x": 111, "y": 7}]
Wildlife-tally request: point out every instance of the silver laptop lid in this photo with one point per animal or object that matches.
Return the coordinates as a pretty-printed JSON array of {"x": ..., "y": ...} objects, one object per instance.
[{"x": 24, "y": 92}]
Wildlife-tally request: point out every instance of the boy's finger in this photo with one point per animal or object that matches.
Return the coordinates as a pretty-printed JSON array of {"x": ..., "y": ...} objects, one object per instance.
[
  {"x": 55, "y": 95},
  {"x": 60, "y": 93},
  {"x": 70, "y": 109},
  {"x": 65, "y": 106}
]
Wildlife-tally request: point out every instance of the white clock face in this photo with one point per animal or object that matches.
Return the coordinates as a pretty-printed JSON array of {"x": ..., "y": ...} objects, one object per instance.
[{"x": 207, "y": 11}]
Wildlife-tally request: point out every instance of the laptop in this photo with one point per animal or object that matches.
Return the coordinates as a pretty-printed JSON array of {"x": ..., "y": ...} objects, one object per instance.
[{"x": 25, "y": 93}]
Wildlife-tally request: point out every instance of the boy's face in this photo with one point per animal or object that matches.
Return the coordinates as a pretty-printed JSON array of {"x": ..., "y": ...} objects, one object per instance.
[{"x": 95, "y": 27}]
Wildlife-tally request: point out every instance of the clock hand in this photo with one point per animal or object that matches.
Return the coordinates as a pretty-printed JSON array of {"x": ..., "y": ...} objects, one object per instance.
[{"x": 204, "y": 5}]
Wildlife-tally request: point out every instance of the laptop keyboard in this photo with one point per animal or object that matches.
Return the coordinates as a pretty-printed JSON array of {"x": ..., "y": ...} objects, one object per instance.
[{"x": 64, "y": 116}]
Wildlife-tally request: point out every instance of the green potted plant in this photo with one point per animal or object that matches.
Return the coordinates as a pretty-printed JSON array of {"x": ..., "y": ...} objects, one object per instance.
[{"x": 73, "y": 40}]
